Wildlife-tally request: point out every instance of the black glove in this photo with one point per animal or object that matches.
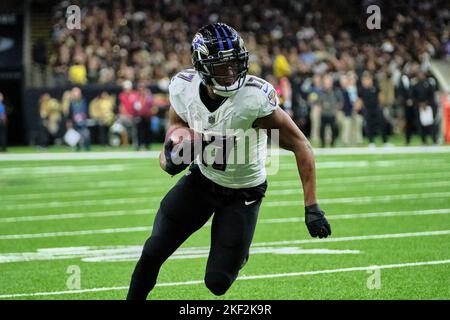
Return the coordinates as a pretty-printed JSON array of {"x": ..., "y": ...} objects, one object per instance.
[
  {"x": 316, "y": 222},
  {"x": 171, "y": 167}
]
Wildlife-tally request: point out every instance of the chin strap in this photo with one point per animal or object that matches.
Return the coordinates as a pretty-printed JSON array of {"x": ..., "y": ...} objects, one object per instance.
[{"x": 225, "y": 94}]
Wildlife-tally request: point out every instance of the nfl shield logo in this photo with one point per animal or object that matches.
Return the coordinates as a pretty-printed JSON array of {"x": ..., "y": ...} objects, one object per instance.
[{"x": 211, "y": 119}]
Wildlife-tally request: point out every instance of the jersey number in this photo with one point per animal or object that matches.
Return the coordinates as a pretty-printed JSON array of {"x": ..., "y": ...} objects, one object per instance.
[{"x": 222, "y": 147}]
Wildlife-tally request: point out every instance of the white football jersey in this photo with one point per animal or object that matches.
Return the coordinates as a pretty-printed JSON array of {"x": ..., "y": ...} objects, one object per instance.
[{"x": 236, "y": 156}]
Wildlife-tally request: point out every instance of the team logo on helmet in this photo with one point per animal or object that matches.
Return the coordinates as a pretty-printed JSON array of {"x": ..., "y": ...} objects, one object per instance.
[{"x": 199, "y": 44}]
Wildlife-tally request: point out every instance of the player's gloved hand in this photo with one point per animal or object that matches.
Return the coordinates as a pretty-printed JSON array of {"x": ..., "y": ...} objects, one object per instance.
[
  {"x": 174, "y": 163},
  {"x": 316, "y": 222}
]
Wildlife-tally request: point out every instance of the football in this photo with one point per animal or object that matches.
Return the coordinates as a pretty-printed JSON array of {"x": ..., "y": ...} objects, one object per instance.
[
  {"x": 180, "y": 134},
  {"x": 186, "y": 143}
]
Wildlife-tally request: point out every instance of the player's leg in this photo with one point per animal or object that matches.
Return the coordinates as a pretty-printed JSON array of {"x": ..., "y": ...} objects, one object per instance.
[
  {"x": 184, "y": 210},
  {"x": 232, "y": 232}
]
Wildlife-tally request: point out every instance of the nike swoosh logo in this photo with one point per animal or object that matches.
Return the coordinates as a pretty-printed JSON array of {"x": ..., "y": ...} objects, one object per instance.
[
  {"x": 247, "y": 203},
  {"x": 266, "y": 88}
]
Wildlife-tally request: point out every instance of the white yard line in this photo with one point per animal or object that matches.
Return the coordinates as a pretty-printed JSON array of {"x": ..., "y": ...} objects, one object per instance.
[
  {"x": 255, "y": 277},
  {"x": 371, "y": 187},
  {"x": 78, "y": 156},
  {"x": 363, "y": 215},
  {"x": 77, "y": 215},
  {"x": 155, "y": 154},
  {"x": 116, "y": 213},
  {"x": 150, "y": 183},
  {"x": 74, "y": 194},
  {"x": 132, "y": 253},
  {"x": 149, "y": 228},
  {"x": 62, "y": 204},
  {"x": 73, "y": 233},
  {"x": 272, "y": 191},
  {"x": 62, "y": 170},
  {"x": 365, "y": 199},
  {"x": 269, "y": 203},
  {"x": 358, "y": 238}
]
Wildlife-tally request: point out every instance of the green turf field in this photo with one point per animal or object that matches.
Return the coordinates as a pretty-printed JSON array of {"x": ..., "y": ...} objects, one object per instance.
[{"x": 390, "y": 216}]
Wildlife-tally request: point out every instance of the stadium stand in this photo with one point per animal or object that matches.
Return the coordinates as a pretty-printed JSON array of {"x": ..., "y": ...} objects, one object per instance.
[{"x": 291, "y": 44}]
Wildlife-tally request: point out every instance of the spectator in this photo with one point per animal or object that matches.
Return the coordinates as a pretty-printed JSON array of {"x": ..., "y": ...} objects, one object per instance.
[
  {"x": 347, "y": 110},
  {"x": 405, "y": 93},
  {"x": 143, "y": 41},
  {"x": 128, "y": 98},
  {"x": 315, "y": 90},
  {"x": 424, "y": 90},
  {"x": 357, "y": 114},
  {"x": 3, "y": 125},
  {"x": 387, "y": 96},
  {"x": 78, "y": 73},
  {"x": 143, "y": 113},
  {"x": 281, "y": 67},
  {"x": 101, "y": 109},
  {"x": 51, "y": 118},
  {"x": 423, "y": 93},
  {"x": 77, "y": 118},
  {"x": 426, "y": 120},
  {"x": 329, "y": 101},
  {"x": 375, "y": 122}
]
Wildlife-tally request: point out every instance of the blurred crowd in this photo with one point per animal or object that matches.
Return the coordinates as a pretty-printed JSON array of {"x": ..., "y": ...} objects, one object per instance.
[
  {"x": 135, "y": 116},
  {"x": 335, "y": 77}
]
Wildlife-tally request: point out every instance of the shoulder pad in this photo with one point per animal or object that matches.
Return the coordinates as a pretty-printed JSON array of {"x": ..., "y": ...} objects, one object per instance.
[
  {"x": 181, "y": 80},
  {"x": 266, "y": 90}
]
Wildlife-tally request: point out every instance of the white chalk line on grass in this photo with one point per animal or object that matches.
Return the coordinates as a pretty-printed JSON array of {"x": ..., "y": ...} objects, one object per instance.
[
  {"x": 359, "y": 238},
  {"x": 364, "y": 199},
  {"x": 151, "y": 191},
  {"x": 55, "y": 170},
  {"x": 83, "y": 193},
  {"x": 111, "y": 184},
  {"x": 240, "y": 278},
  {"x": 132, "y": 253},
  {"x": 363, "y": 215},
  {"x": 104, "y": 231},
  {"x": 82, "y": 168},
  {"x": 155, "y": 154},
  {"x": 151, "y": 182},
  {"x": 371, "y": 187},
  {"x": 435, "y": 163},
  {"x": 115, "y": 213},
  {"x": 272, "y": 191},
  {"x": 77, "y": 215},
  {"x": 269, "y": 203},
  {"x": 62, "y": 204},
  {"x": 74, "y": 233}
]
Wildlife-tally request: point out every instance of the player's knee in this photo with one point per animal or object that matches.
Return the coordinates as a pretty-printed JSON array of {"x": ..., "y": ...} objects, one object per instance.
[
  {"x": 217, "y": 282},
  {"x": 155, "y": 250}
]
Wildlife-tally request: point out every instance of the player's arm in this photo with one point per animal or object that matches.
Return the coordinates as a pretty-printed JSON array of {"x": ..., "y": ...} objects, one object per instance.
[
  {"x": 291, "y": 138},
  {"x": 164, "y": 157}
]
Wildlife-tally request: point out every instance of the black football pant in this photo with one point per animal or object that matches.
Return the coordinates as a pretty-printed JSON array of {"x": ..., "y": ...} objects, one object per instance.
[{"x": 184, "y": 210}]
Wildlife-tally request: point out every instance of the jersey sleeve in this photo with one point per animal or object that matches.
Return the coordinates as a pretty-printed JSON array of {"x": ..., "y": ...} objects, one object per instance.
[
  {"x": 269, "y": 101},
  {"x": 176, "y": 90}
]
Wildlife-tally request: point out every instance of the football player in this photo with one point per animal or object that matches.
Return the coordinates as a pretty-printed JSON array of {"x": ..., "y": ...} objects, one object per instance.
[{"x": 218, "y": 95}]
